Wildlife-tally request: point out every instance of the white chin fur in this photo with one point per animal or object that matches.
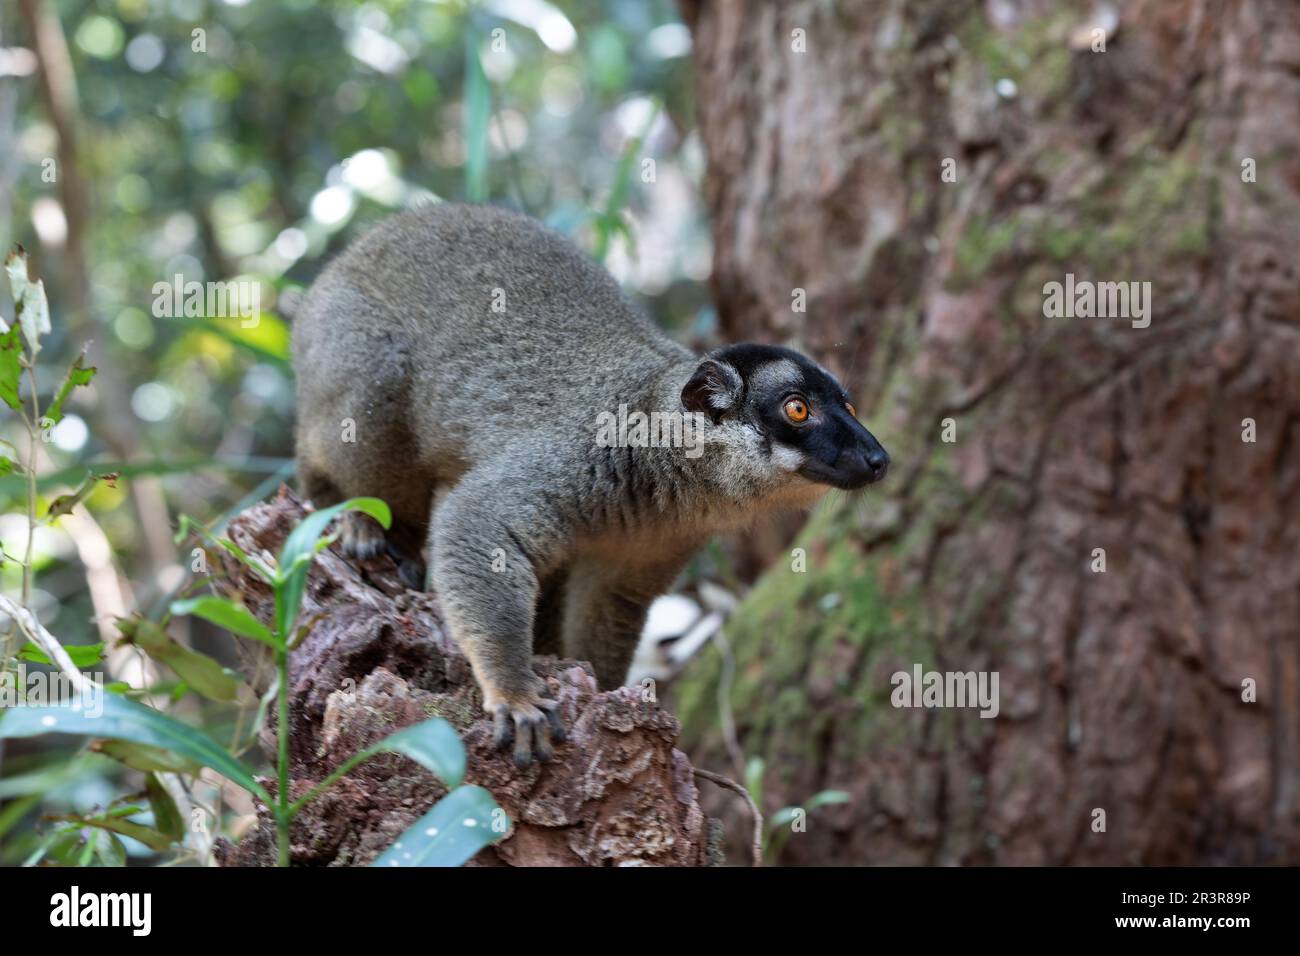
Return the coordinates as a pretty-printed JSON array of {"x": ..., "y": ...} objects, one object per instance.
[{"x": 786, "y": 458}]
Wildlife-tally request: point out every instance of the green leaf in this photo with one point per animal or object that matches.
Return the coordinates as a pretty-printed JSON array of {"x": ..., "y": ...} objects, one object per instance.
[
  {"x": 166, "y": 815},
  {"x": 77, "y": 375},
  {"x": 754, "y": 771},
  {"x": 115, "y": 823},
  {"x": 60, "y": 770},
  {"x": 223, "y": 613},
  {"x": 123, "y": 719},
  {"x": 269, "y": 339},
  {"x": 781, "y": 817},
  {"x": 83, "y": 655},
  {"x": 301, "y": 546},
  {"x": 433, "y": 744},
  {"x": 201, "y": 672},
  {"x": 108, "y": 848},
  {"x": 14, "y": 811},
  {"x": 64, "y": 504},
  {"x": 145, "y": 758},
  {"x": 458, "y": 826},
  {"x": 11, "y": 369},
  {"x": 610, "y": 220},
  {"x": 158, "y": 842},
  {"x": 826, "y": 798}
]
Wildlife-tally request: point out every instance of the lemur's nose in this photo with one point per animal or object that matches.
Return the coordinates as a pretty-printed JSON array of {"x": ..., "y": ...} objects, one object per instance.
[{"x": 878, "y": 460}]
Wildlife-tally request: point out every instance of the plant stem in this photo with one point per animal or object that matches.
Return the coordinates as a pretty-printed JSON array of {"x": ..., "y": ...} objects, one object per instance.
[
  {"x": 283, "y": 815},
  {"x": 329, "y": 781},
  {"x": 13, "y": 640},
  {"x": 33, "y": 429}
]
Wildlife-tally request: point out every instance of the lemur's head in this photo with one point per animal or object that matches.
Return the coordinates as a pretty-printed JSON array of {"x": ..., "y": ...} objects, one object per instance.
[{"x": 803, "y": 418}]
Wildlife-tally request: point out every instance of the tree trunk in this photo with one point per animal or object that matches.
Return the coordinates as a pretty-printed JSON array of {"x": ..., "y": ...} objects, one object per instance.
[
  {"x": 377, "y": 659},
  {"x": 1024, "y": 443}
]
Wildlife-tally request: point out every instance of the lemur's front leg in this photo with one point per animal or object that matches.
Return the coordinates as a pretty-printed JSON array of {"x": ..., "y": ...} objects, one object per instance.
[{"x": 484, "y": 541}]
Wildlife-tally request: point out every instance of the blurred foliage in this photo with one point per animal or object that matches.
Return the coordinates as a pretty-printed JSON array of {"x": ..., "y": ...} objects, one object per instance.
[{"x": 222, "y": 139}]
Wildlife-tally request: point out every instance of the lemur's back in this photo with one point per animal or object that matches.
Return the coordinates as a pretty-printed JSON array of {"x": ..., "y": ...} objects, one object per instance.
[{"x": 471, "y": 320}]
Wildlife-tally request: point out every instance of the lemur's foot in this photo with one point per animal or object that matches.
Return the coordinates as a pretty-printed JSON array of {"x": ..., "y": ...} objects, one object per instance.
[
  {"x": 361, "y": 536},
  {"x": 534, "y": 725},
  {"x": 412, "y": 571}
]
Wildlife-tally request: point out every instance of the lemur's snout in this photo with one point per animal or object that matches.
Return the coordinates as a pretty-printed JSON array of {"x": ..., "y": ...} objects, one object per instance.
[{"x": 862, "y": 466}]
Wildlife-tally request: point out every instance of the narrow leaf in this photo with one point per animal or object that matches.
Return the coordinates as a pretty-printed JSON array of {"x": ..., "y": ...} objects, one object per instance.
[
  {"x": 79, "y": 374},
  {"x": 147, "y": 759},
  {"x": 201, "y": 672},
  {"x": 154, "y": 840},
  {"x": 83, "y": 655},
  {"x": 433, "y": 744},
  {"x": 227, "y": 614},
  {"x": 108, "y": 848},
  {"x": 827, "y": 798},
  {"x": 11, "y": 368},
  {"x": 166, "y": 815},
  {"x": 458, "y": 826},
  {"x": 64, "y": 504},
  {"x": 302, "y": 544},
  {"x": 124, "y": 719}
]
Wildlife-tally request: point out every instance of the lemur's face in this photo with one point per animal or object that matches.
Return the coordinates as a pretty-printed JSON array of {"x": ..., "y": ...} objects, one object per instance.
[{"x": 804, "y": 417}]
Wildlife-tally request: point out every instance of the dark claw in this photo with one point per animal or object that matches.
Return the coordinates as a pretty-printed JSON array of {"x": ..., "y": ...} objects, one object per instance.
[
  {"x": 503, "y": 728},
  {"x": 523, "y": 745},
  {"x": 542, "y": 741},
  {"x": 533, "y": 736},
  {"x": 551, "y": 708}
]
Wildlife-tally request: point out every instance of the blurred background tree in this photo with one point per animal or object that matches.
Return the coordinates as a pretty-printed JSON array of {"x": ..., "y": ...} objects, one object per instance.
[{"x": 1106, "y": 516}]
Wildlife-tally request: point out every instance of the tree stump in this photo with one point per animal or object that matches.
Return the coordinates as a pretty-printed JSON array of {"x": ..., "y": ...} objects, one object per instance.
[{"x": 379, "y": 658}]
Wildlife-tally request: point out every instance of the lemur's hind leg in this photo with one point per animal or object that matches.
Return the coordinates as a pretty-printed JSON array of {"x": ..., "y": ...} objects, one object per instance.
[
  {"x": 361, "y": 537},
  {"x": 315, "y": 485},
  {"x": 548, "y": 622},
  {"x": 605, "y": 612}
]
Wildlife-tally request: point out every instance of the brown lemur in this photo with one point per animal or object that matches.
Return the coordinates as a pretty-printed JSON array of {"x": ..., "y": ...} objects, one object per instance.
[{"x": 455, "y": 361}]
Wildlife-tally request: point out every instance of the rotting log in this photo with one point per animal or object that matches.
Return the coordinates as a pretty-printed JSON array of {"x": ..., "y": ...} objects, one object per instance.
[{"x": 379, "y": 658}]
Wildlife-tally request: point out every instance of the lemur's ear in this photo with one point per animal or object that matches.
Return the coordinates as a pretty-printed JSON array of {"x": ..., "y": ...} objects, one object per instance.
[{"x": 713, "y": 389}]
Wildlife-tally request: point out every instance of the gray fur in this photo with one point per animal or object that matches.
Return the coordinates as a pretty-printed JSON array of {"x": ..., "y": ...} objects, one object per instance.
[{"x": 478, "y": 428}]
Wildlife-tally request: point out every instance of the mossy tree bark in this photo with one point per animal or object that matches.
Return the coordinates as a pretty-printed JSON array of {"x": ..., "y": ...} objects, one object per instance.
[{"x": 1120, "y": 691}]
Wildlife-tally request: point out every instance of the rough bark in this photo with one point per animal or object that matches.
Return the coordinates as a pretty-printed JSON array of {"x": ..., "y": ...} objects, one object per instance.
[
  {"x": 1120, "y": 690},
  {"x": 378, "y": 659}
]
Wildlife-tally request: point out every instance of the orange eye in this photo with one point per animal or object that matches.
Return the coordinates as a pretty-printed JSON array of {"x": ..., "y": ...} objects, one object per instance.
[
  {"x": 796, "y": 409},
  {"x": 852, "y": 411}
]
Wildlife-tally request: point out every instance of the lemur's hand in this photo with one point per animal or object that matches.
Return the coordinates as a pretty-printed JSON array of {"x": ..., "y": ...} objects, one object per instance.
[{"x": 531, "y": 720}]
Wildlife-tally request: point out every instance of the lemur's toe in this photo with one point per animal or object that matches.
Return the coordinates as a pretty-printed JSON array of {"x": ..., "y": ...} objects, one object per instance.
[
  {"x": 503, "y": 729},
  {"x": 551, "y": 708}
]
